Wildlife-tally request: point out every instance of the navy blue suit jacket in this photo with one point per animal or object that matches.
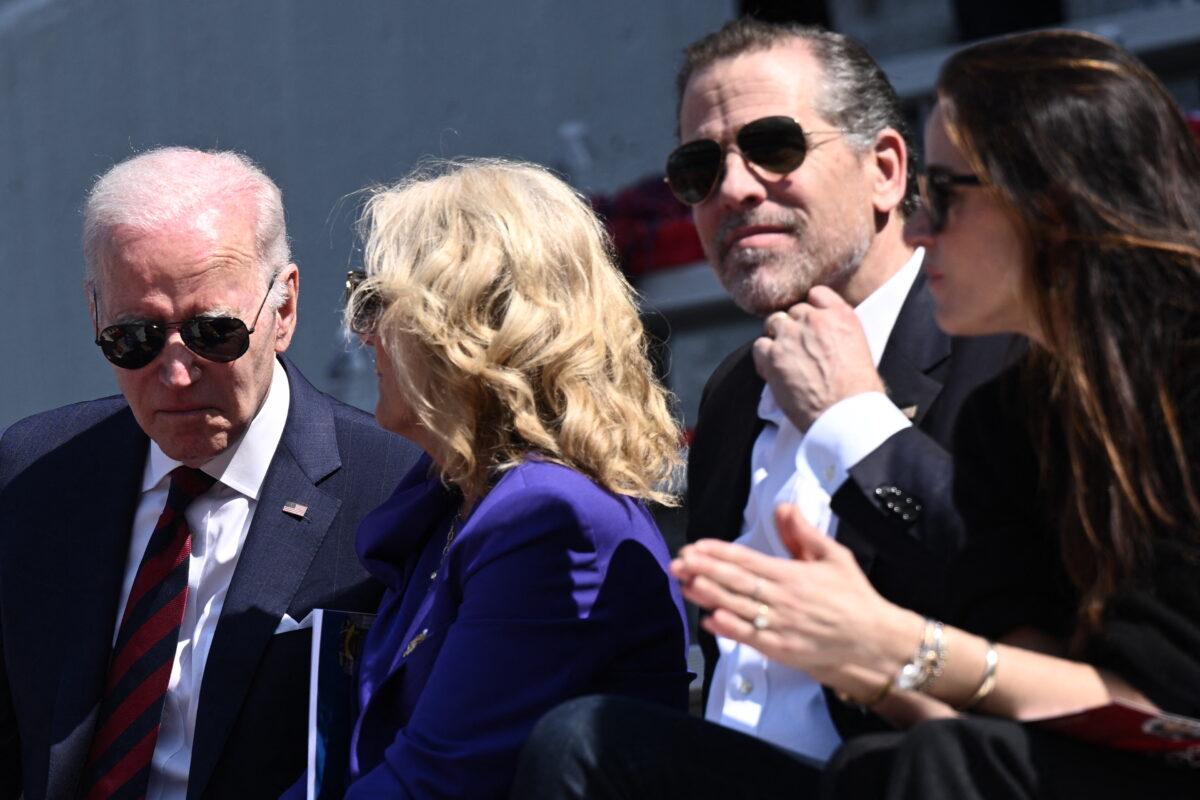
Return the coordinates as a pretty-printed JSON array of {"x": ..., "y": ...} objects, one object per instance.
[
  {"x": 70, "y": 480},
  {"x": 553, "y": 588}
]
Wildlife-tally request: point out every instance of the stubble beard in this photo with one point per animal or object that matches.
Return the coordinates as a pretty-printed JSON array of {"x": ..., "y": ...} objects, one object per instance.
[{"x": 762, "y": 281}]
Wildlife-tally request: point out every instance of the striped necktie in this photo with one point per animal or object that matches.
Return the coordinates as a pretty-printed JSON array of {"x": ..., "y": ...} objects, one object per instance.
[{"x": 127, "y": 729}]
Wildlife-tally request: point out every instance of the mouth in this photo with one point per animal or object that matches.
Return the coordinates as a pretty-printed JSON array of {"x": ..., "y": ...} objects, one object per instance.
[
  {"x": 187, "y": 412},
  {"x": 756, "y": 236}
]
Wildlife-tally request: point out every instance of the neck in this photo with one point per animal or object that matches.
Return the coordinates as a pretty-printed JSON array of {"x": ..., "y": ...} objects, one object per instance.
[{"x": 886, "y": 255}]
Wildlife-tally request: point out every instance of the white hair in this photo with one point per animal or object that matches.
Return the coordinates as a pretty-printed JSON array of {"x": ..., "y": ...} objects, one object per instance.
[{"x": 159, "y": 186}]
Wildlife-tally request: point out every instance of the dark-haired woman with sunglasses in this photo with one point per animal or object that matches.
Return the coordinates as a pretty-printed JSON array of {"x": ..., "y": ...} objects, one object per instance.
[{"x": 1062, "y": 202}]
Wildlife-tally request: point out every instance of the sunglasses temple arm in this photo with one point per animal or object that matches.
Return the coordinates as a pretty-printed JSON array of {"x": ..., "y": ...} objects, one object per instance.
[
  {"x": 95, "y": 315},
  {"x": 270, "y": 288}
]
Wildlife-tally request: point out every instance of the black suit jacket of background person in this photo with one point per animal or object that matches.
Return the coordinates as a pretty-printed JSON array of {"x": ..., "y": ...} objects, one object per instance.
[
  {"x": 70, "y": 480},
  {"x": 928, "y": 374}
]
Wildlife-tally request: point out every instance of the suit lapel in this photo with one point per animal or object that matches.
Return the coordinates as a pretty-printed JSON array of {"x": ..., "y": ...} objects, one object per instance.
[
  {"x": 275, "y": 558},
  {"x": 93, "y": 527},
  {"x": 719, "y": 464},
  {"x": 915, "y": 349}
]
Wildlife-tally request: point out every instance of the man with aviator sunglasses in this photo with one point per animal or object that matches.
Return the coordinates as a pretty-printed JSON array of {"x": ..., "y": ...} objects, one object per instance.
[
  {"x": 161, "y": 550},
  {"x": 794, "y": 161}
]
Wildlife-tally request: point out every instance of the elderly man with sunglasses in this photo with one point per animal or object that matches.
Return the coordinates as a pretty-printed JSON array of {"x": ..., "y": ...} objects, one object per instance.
[
  {"x": 161, "y": 551},
  {"x": 794, "y": 160}
]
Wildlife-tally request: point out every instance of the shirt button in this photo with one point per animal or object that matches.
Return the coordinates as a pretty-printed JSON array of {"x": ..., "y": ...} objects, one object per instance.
[
  {"x": 829, "y": 474},
  {"x": 744, "y": 686}
]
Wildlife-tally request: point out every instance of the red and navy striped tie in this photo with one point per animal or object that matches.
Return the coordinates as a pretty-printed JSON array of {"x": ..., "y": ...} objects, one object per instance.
[{"x": 127, "y": 729}]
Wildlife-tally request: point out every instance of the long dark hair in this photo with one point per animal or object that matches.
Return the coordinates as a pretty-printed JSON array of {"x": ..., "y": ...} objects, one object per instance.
[{"x": 1096, "y": 162}]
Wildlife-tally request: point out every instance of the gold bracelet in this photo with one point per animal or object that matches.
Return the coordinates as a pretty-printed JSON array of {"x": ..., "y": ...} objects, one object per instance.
[
  {"x": 988, "y": 682},
  {"x": 878, "y": 698}
]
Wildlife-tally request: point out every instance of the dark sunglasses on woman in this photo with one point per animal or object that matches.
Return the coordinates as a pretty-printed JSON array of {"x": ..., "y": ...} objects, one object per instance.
[
  {"x": 366, "y": 306},
  {"x": 937, "y": 186},
  {"x": 133, "y": 345},
  {"x": 777, "y": 144}
]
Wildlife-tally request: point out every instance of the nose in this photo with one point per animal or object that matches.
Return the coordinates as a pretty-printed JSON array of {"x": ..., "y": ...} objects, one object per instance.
[
  {"x": 918, "y": 229},
  {"x": 739, "y": 185},
  {"x": 177, "y": 367}
]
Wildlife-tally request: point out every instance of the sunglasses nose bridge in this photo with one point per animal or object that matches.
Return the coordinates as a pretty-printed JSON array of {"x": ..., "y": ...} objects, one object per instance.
[
  {"x": 739, "y": 179},
  {"x": 177, "y": 365}
]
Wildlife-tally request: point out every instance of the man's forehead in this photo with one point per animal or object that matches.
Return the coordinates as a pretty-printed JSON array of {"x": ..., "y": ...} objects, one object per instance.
[
  {"x": 199, "y": 250},
  {"x": 212, "y": 220},
  {"x": 782, "y": 80}
]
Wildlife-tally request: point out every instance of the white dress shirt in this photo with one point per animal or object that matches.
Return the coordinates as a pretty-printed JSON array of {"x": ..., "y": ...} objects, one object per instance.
[
  {"x": 219, "y": 520},
  {"x": 751, "y": 693}
]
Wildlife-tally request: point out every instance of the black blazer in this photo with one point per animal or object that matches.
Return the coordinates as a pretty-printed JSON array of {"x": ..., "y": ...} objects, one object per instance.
[
  {"x": 69, "y": 485},
  {"x": 928, "y": 374}
]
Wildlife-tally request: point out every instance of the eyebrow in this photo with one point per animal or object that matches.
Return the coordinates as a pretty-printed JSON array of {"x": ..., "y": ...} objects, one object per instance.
[{"x": 220, "y": 311}]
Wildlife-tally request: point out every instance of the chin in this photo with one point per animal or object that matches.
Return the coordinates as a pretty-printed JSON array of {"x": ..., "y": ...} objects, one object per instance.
[
  {"x": 196, "y": 449},
  {"x": 949, "y": 324},
  {"x": 965, "y": 327}
]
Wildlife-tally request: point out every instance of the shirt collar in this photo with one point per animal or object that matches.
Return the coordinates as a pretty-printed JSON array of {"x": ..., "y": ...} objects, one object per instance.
[
  {"x": 243, "y": 465},
  {"x": 879, "y": 311}
]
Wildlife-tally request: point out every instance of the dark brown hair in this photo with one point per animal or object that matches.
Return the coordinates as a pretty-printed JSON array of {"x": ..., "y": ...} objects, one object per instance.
[
  {"x": 1093, "y": 157},
  {"x": 855, "y": 95}
]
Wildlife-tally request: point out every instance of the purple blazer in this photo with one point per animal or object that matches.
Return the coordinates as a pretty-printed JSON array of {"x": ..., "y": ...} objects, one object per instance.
[{"x": 553, "y": 588}]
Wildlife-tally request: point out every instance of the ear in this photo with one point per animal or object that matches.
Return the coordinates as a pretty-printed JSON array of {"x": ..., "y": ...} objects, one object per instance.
[
  {"x": 888, "y": 170},
  {"x": 285, "y": 315}
]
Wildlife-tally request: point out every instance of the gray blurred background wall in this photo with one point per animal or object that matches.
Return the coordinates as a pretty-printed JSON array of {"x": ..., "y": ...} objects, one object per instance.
[
  {"x": 333, "y": 95},
  {"x": 328, "y": 97}
]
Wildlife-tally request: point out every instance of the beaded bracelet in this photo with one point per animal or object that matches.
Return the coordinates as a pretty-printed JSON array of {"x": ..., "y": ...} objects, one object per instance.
[{"x": 927, "y": 662}]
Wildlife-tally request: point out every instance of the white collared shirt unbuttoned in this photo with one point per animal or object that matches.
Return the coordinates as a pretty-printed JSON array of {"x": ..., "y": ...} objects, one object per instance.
[
  {"x": 219, "y": 521},
  {"x": 751, "y": 693}
]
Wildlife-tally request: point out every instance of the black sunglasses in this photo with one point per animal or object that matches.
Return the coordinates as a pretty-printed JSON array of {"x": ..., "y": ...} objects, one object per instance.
[
  {"x": 777, "y": 144},
  {"x": 133, "y": 345},
  {"x": 363, "y": 308},
  {"x": 937, "y": 190}
]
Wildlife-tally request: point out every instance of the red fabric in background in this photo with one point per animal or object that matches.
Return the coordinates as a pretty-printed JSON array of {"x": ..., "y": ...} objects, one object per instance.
[
  {"x": 1193, "y": 120},
  {"x": 649, "y": 227}
]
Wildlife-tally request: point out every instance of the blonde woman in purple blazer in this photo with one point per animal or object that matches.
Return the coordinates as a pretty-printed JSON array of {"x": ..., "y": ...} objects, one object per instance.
[{"x": 522, "y": 567}]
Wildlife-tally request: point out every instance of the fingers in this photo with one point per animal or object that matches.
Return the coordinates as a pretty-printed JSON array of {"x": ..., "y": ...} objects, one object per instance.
[
  {"x": 707, "y": 593},
  {"x": 798, "y": 535},
  {"x": 712, "y": 583},
  {"x": 731, "y": 577},
  {"x": 761, "y": 351},
  {"x": 824, "y": 297},
  {"x": 770, "y": 568},
  {"x": 732, "y": 626},
  {"x": 781, "y": 321},
  {"x": 776, "y": 323}
]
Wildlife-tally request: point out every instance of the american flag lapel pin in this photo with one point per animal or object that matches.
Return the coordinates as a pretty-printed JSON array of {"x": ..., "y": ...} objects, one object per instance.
[{"x": 297, "y": 510}]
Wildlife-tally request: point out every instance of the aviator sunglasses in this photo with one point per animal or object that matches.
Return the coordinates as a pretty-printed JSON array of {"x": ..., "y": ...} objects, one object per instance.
[
  {"x": 777, "y": 144},
  {"x": 133, "y": 345},
  {"x": 937, "y": 191}
]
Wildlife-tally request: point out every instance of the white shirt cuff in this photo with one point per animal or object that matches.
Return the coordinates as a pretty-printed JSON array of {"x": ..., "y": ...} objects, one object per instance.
[{"x": 846, "y": 433}]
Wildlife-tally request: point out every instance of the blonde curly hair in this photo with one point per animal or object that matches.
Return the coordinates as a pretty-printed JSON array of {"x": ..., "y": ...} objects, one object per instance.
[{"x": 511, "y": 330}]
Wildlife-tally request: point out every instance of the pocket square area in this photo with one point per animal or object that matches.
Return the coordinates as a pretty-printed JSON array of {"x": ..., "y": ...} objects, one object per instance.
[{"x": 288, "y": 624}]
